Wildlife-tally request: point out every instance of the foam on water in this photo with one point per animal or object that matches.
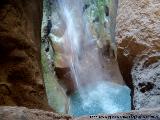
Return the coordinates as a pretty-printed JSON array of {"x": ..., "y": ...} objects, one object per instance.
[
  {"x": 82, "y": 55},
  {"x": 104, "y": 97}
]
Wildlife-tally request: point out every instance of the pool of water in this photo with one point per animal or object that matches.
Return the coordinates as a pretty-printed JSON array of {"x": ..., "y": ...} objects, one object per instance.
[{"x": 103, "y": 97}]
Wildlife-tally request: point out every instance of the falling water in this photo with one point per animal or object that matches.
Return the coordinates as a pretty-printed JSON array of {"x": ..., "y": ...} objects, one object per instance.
[
  {"x": 83, "y": 56},
  {"x": 95, "y": 92}
]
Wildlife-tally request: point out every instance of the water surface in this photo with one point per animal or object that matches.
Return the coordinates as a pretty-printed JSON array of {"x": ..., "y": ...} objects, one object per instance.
[{"x": 105, "y": 97}]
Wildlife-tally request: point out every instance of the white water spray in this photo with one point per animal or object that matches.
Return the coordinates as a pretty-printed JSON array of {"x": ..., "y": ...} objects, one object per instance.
[
  {"x": 86, "y": 65},
  {"x": 79, "y": 45}
]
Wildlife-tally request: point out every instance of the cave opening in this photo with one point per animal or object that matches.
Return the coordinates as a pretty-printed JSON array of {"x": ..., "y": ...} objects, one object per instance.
[{"x": 79, "y": 57}]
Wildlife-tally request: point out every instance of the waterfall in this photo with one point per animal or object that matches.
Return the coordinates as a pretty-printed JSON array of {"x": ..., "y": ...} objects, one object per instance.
[
  {"x": 82, "y": 46},
  {"x": 79, "y": 45}
]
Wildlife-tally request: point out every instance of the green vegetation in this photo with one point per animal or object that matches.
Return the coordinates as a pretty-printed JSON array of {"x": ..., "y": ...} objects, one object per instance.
[{"x": 56, "y": 96}]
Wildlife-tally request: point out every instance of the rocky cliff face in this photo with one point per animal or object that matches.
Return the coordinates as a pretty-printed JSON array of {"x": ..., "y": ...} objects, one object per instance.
[
  {"x": 56, "y": 95},
  {"x": 138, "y": 54},
  {"x": 20, "y": 74}
]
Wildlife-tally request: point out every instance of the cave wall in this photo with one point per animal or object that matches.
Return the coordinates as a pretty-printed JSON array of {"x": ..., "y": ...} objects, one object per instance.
[
  {"x": 21, "y": 82},
  {"x": 138, "y": 50}
]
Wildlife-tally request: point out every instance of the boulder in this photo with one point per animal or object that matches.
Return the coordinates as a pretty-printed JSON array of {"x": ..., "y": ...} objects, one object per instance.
[
  {"x": 22, "y": 113},
  {"x": 138, "y": 49}
]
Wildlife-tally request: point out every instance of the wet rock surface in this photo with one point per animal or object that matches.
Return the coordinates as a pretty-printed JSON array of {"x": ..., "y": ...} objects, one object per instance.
[
  {"x": 56, "y": 94},
  {"x": 138, "y": 53},
  {"x": 65, "y": 79},
  {"x": 20, "y": 74}
]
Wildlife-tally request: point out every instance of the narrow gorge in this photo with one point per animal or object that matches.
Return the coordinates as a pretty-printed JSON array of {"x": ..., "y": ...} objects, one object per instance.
[{"x": 79, "y": 59}]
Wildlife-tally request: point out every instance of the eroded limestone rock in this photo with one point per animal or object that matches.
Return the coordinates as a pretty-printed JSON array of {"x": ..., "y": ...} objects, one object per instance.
[
  {"x": 20, "y": 74},
  {"x": 56, "y": 95},
  {"x": 138, "y": 38}
]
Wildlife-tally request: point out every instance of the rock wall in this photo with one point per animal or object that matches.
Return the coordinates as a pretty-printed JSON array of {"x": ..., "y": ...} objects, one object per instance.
[
  {"x": 56, "y": 95},
  {"x": 22, "y": 113},
  {"x": 138, "y": 53},
  {"x": 21, "y": 81}
]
